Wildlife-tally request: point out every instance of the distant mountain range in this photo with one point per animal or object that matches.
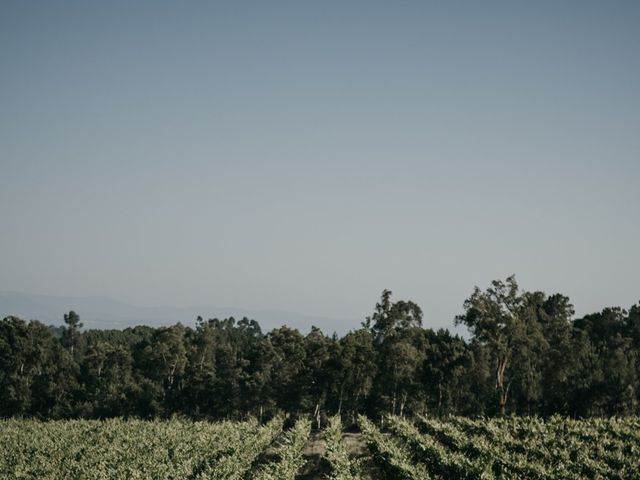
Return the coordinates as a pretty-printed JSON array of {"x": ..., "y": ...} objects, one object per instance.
[{"x": 106, "y": 313}]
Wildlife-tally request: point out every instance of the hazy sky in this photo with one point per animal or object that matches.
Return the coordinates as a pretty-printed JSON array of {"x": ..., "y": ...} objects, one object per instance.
[{"x": 306, "y": 155}]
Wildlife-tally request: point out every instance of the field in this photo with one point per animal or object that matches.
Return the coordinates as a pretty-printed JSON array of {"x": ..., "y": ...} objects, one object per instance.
[{"x": 422, "y": 448}]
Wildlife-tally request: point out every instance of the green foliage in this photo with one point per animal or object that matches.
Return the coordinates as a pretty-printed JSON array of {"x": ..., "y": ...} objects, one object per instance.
[
  {"x": 118, "y": 449},
  {"x": 289, "y": 454},
  {"x": 452, "y": 448},
  {"x": 392, "y": 456},
  {"x": 240, "y": 451},
  {"x": 342, "y": 468},
  {"x": 526, "y": 355}
]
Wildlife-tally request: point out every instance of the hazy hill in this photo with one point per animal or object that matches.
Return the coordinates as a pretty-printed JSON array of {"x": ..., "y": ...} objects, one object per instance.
[{"x": 102, "y": 312}]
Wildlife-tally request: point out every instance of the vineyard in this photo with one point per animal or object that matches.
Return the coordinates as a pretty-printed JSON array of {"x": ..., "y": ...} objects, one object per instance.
[{"x": 422, "y": 448}]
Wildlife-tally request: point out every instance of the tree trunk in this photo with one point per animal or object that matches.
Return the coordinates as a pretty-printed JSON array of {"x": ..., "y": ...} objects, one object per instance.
[
  {"x": 395, "y": 396},
  {"x": 340, "y": 400},
  {"x": 503, "y": 392},
  {"x": 402, "y": 403},
  {"x": 503, "y": 403},
  {"x": 171, "y": 374},
  {"x": 355, "y": 405},
  {"x": 316, "y": 413},
  {"x": 393, "y": 403}
]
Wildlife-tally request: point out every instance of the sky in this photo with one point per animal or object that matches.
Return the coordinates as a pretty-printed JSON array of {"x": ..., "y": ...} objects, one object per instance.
[{"x": 307, "y": 155}]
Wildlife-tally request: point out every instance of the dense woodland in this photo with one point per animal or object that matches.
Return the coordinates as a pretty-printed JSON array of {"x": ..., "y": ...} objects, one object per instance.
[{"x": 526, "y": 354}]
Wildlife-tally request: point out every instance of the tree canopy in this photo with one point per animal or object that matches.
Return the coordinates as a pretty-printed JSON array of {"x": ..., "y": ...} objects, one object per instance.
[{"x": 525, "y": 354}]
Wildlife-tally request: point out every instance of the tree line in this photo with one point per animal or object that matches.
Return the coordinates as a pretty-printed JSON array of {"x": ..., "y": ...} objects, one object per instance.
[{"x": 526, "y": 354}]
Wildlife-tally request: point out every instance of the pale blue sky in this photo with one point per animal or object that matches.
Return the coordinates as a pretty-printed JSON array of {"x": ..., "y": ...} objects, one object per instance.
[{"x": 306, "y": 155}]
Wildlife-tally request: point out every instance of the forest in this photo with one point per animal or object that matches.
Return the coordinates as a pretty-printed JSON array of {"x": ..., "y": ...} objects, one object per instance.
[{"x": 525, "y": 354}]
